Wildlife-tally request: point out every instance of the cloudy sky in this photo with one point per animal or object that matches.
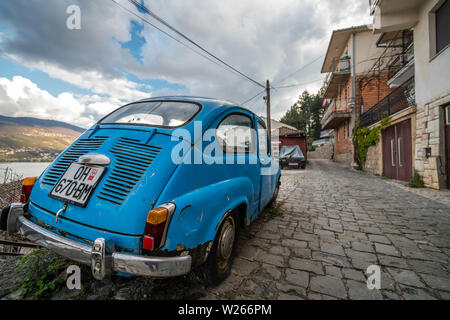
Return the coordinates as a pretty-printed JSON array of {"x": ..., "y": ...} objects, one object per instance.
[{"x": 48, "y": 71}]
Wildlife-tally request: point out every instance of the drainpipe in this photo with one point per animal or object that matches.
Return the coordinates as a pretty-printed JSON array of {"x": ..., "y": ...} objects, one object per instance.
[{"x": 356, "y": 113}]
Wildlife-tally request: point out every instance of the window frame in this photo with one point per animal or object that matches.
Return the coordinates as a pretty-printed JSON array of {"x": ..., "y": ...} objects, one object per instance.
[
  {"x": 447, "y": 115},
  {"x": 432, "y": 31},
  {"x": 268, "y": 142},
  {"x": 252, "y": 151},
  {"x": 99, "y": 122}
]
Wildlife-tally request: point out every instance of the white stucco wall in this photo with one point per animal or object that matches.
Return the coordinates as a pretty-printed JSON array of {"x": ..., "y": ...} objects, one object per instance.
[{"x": 432, "y": 76}]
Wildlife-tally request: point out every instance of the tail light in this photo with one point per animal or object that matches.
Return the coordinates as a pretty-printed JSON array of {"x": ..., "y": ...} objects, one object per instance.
[
  {"x": 158, "y": 220},
  {"x": 27, "y": 186}
]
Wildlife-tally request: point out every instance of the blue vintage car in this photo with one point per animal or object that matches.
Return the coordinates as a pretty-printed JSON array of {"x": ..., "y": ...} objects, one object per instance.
[{"x": 156, "y": 188}]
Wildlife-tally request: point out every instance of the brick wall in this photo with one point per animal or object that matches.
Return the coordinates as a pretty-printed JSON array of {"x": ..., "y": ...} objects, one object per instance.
[{"x": 372, "y": 90}]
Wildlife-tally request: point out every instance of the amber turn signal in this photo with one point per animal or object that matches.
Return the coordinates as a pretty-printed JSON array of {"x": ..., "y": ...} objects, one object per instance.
[
  {"x": 157, "y": 215},
  {"x": 27, "y": 186}
]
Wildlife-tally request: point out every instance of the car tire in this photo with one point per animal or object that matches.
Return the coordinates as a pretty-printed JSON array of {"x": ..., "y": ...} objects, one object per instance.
[
  {"x": 4, "y": 218},
  {"x": 220, "y": 260}
]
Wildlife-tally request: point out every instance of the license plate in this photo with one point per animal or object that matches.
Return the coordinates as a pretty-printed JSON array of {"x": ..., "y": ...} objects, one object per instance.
[
  {"x": 77, "y": 184},
  {"x": 293, "y": 164}
]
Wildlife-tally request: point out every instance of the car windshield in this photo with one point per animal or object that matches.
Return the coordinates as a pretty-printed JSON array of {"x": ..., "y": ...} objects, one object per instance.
[{"x": 156, "y": 113}]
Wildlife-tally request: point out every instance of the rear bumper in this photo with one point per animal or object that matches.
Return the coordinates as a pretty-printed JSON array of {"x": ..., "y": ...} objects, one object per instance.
[{"x": 101, "y": 262}]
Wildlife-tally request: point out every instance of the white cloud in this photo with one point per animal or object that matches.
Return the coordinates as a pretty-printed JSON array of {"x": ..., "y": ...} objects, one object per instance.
[
  {"x": 264, "y": 39},
  {"x": 21, "y": 97}
]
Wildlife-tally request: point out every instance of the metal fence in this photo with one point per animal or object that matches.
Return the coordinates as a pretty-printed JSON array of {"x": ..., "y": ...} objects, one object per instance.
[{"x": 399, "y": 99}]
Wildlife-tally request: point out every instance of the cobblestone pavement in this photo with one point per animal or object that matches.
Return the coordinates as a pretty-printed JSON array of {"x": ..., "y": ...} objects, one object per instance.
[
  {"x": 332, "y": 224},
  {"x": 329, "y": 225}
]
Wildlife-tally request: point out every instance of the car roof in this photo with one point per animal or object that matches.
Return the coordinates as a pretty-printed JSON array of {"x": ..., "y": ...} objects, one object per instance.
[{"x": 210, "y": 103}]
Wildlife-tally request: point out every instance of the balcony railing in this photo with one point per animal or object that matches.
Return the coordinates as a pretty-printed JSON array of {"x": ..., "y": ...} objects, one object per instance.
[
  {"x": 341, "y": 71},
  {"x": 335, "y": 112},
  {"x": 406, "y": 55},
  {"x": 398, "y": 100}
]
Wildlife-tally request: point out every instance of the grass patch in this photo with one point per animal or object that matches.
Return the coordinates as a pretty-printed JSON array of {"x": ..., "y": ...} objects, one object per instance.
[
  {"x": 42, "y": 279},
  {"x": 416, "y": 181},
  {"x": 274, "y": 210}
]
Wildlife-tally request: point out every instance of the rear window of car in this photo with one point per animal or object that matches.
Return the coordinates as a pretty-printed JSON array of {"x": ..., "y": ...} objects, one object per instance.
[{"x": 154, "y": 113}]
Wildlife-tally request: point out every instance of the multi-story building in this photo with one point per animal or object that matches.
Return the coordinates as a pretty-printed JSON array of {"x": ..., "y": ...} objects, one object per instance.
[
  {"x": 349, "y": 62},
  {"x": 416, "y": 35},
  {"x": 396, "y": 68}
]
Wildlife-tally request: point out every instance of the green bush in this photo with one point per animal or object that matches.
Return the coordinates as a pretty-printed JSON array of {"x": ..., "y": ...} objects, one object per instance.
[
  {"x": 364, "y": 138},
  {"x": 416, "y": 181}
]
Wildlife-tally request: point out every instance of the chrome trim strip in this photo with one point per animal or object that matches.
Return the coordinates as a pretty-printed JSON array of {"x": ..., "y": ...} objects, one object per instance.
[{"x": 158, "y": 267}]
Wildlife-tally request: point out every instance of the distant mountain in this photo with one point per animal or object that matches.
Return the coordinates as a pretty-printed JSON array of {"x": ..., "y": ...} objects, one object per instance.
[
  {"x": 32, "y": 139},
  {"x": 29, "y": 122}
]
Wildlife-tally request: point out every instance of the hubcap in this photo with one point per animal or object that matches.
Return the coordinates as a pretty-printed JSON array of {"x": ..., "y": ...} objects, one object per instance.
[{"x": 226, "y": 242}]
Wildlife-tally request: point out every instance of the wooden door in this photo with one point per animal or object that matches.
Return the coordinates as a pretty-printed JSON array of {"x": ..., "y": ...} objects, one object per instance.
[
  {"x": 389, "y": 153},
  {"x": 404, "y": 151},
  {"x": 447, "y": 141},
  {"x": 397, "y": 151}
]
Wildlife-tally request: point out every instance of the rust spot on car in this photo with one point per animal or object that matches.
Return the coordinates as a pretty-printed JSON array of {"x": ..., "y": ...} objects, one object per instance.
[
  {"x": 180, "y": 216},
  {"x": 223, "y": 217},
  {"x": 180, "y": 247}
]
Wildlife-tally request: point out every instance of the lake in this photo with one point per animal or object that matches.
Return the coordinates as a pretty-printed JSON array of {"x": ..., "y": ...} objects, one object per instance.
[{"x": 21, "y": 169}]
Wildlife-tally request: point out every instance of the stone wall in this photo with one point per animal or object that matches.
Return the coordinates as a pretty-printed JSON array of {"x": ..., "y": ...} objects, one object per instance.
[
  {"x": 345, "y": 158},
  {"x": 374, "y": 159},
  {"x": 322, "y": 152},
  {"x": 430, "y": 134}
]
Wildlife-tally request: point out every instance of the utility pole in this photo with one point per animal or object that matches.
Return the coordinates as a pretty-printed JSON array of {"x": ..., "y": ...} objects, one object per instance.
[{"x": 269, "y": 124}]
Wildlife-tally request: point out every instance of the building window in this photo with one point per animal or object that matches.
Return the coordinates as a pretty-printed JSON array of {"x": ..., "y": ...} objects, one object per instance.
[
  {"x": 439, "y": 24},
  {"x": 400, "y": 152},
  {"x": 442, "y": 26},
  {"x": 393, "y": 152}
]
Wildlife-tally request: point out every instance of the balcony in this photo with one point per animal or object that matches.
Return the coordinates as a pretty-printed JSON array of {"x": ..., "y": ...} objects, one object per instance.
[
  {"x": 335, "y": 115},
  {"x": 399, "y": 99},
  {"x": 335, "y": 80},
  {"x": 401, "y": 68}
]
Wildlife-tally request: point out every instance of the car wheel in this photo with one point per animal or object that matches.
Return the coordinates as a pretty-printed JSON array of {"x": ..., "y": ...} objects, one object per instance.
[
  {"x": 218, "y": 265},
  {"x": 4, "y": 217}
]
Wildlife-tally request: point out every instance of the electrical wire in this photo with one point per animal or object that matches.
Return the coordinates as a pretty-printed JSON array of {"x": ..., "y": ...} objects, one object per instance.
[
  {"x": 172, "y": 37},
  {"x": 248, "y": 100},
  {"x": 300, "y": 69},
  {"x": 299, "y": 84},
  {"x": 153, "y": 15}
]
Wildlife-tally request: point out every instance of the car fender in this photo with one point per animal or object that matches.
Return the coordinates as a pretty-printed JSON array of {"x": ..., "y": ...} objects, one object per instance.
[{"x": 199, "y": 212}]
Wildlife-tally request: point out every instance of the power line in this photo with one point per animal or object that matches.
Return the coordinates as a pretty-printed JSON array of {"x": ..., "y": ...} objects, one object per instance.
[
  {"x": 147, "y": 11},
  {"x": 247, "y": 101},
  {"x": 299, "y": 84},
  {"x": 172, "y": 37},
  {"x": 300, "y": 69}
]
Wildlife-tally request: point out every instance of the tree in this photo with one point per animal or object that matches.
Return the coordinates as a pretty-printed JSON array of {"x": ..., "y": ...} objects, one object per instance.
[{"x": 306, "y": 114}]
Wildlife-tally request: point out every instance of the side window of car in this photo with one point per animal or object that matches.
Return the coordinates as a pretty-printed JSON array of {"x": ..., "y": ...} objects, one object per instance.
[
  {"x": 263, "y": 144},
  {"x": 234, "y": 134}
]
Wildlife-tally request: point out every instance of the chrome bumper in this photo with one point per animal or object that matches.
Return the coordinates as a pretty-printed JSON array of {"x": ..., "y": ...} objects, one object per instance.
[{"x": 101, "y": 263}]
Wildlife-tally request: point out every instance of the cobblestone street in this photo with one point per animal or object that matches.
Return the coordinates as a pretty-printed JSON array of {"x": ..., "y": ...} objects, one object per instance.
[{"x": 331, "y": 225}]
